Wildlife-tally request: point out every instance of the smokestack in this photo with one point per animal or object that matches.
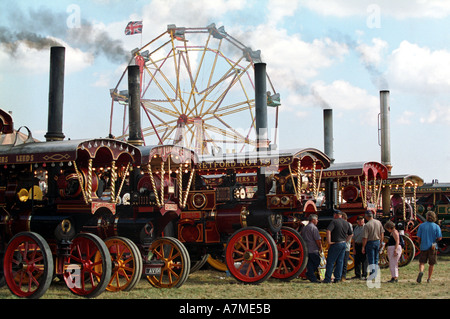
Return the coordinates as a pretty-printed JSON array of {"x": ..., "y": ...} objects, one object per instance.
[
  {"x": 261, "y": 122},
  {"x": 328, "y": 133},
  {"x": 56, "y": 94},
  {"x": 385, "y": 129},
  {"x": 385, "y": 146},
  {"x": 134, "y": 106},
  {"x": 328, "y": 149},
  {"x": 261, "y": 107}
]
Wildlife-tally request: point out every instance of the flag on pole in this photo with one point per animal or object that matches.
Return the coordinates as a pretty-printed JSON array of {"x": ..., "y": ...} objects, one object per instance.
[{"x": 133, "y": 27}]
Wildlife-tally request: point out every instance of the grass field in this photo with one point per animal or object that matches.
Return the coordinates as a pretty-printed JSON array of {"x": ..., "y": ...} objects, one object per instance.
[{"x": 212, "y": 284}]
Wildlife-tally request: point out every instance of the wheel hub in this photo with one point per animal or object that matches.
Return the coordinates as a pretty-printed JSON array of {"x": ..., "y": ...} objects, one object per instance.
[
  {"x": 283, "y": 254},
  {"x": 248, "y": 256}
]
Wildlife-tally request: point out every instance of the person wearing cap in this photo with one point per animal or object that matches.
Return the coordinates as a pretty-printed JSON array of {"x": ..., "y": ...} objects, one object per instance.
[
  {"x": 338, "y": 233},
  {"x": 360, "y": 257},
  {"x": 372, "y": 239},
  {"x": 311, "y": 235}
]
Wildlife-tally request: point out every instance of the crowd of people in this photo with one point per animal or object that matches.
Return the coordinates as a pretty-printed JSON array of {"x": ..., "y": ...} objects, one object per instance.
[{"x": 367, "y": 238}]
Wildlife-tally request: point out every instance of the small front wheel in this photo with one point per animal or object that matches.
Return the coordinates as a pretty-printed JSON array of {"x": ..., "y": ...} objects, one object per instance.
[
  {"x": 87, "y": 269},
  {"x": 174, "y": 260},
  {"x": 251, "y": 255},
  {"x": 126, "y": 264},
  {"x": 28, "y": 265},
  {"x": 292, "y": 255}
]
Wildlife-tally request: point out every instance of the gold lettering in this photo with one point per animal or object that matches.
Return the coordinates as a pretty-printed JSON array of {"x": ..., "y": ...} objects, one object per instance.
[{"x": 24, "y": 158}]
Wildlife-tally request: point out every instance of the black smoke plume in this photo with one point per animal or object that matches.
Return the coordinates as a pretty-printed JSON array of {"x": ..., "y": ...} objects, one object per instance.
[{"x": 40, "y": 29}]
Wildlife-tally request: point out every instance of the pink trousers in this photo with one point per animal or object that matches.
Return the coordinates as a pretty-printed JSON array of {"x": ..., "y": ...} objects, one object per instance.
[{"x": 393, "y": 260}]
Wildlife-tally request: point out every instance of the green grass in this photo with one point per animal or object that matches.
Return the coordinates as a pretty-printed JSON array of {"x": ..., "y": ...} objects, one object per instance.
[{"x": 212, "y": 284}]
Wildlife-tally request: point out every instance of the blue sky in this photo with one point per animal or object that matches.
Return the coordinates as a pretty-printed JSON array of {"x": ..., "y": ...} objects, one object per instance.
[{"x": 333, "y": 53}]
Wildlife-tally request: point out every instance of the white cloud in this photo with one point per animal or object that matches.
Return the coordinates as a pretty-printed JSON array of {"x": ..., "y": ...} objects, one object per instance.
[
  {"x": 439, "y": 114},
  {"x": 343, "y": 96},
  {"x": 291, "y": 61},
  {"x": 399, "y": 9},
  {"x": 197, "y": 13},
  {"x": 373, "y": 54},
  {"x": 419, "y": 69},
  {"x": 405, "y": 118},
  {"x": 279, "y": 9}
]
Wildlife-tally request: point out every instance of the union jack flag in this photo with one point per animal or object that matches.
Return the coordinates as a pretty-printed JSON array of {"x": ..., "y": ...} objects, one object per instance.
[{"x": 133, "y": 27}]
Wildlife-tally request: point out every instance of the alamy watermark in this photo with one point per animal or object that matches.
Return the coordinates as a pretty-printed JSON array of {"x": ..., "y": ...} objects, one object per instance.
[
  {"x": 374, "y": 278},
  {"x": 74, "y": 19},
  {"x": 373, "y": 20}
]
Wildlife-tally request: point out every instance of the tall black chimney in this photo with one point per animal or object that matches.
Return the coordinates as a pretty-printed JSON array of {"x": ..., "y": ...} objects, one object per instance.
[
  {"x": 56, "y": 94},
  {"x": 261, "y": 121},
  {"x": 134, "y": 106},
  {"x": 328, "y": 133},
  {"x": 261, "y": 107}
]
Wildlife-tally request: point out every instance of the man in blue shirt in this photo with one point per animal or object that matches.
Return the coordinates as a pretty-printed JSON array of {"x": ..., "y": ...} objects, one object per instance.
[{"x": 428, "y": 234}]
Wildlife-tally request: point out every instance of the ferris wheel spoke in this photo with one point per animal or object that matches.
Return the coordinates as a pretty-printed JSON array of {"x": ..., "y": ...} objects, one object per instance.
[
  {"x": 231, "y": 134},
  {"x": 178, "y": 89},
  {"x": 187, "y": 64},
  {"x": 159, "y": 127},
  {"x": 223, "y": 95},
  {"x": 197, "y": 75},
  {"x": 232, "y": 71},
  {"x": 213, "y": 69},
  {"x": 151, "y": 64},
  {"x": 161, "y": 89},
  {"x": 153, "y": 106}
]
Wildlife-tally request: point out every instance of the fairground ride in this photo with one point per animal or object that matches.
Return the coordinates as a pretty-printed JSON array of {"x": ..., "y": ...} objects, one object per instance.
[{"x": 197, "y": 91}]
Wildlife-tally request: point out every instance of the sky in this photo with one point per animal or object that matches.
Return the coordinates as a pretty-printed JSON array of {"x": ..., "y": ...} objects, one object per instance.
[{"x": 336, "y": 54}]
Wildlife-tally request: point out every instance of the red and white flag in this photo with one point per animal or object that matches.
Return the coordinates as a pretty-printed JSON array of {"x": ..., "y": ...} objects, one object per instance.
[{"x": 133, "y": 27}]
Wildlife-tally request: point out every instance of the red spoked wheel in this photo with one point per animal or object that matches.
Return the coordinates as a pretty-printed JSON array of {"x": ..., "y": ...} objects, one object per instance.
[
  {"x": 28, "y": 265},
  {"x": 251, "y": 255},
  {"x": 126, "y": 264},
  {"x": 87, "y": 270},
  {"x": 292, "y": 255}
]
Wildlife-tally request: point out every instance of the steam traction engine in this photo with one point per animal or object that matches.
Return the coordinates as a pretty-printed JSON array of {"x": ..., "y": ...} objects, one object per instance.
[
  {"x": 59, "y": 198},
  {"x": 244, "y": 202},
  {"x": 72, "y": 208},
  {"x": 50, "y": 193}
]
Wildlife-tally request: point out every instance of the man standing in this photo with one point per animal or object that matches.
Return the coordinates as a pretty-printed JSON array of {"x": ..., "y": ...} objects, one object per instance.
[
  {"x": 311, "y": 235},
  {"x": 428, "y": 234},
  {"x": 338, "y": 232},
  {"x": 360, "y": 258},
  {"x": 372, "y": 239}
]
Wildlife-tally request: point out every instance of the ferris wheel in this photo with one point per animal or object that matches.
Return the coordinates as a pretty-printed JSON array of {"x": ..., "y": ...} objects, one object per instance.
[{"x": 197, "y": 91}]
